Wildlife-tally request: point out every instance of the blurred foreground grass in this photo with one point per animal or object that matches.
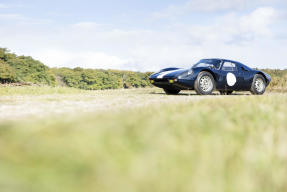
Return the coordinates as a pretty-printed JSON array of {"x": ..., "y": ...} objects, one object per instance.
[{"x": 233, "y": 143}]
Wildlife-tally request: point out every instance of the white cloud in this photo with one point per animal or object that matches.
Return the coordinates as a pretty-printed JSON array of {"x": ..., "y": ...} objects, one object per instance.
[
  {"x": 220, "y": 5},
  {"x": 191, "y": 6},
  {"x": 61, "y": 58},
  {"x": 210, "y": 5},
  {"x": 233, "y": 28},
  {"x": 258, "y": 21}
]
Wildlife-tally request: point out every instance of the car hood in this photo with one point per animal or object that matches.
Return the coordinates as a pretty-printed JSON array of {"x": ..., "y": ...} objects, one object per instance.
[{"x": 168, "y": 74}]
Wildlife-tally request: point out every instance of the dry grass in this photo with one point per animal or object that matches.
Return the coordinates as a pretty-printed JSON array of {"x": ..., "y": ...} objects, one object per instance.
[
  {"x": 16, "y": 105},
  {"x": 142, "y": 140},
  {"x": 36, "y": 90}
]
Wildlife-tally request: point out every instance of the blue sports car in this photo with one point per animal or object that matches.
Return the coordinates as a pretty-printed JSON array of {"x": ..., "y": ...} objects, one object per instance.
[{"x": 207, "y": 75}]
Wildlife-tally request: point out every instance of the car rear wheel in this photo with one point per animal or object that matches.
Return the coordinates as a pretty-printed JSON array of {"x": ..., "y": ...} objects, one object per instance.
[
  {"x": 171, "y": 91},
  {"x": 204, "y": 83},
  {"x": 258, "y": 85},
  {"x": 225, "y": 92}
]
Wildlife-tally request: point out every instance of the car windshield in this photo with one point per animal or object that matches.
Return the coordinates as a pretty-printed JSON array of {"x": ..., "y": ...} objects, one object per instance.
[{"x": 208, "y": 63}]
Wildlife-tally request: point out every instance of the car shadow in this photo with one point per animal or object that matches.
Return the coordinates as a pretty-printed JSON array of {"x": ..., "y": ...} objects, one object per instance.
[
  {"x": 180, "y": 94},
  {"x": 194, "y": 94},
  {"x": 234, "y": 94}
]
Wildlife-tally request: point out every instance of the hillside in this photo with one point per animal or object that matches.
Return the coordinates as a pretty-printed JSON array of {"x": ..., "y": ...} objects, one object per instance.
[{"x": 22, "y": 69}]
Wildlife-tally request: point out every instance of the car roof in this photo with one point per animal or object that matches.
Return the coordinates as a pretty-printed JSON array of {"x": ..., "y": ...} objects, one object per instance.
[{"x": 228, "y": 60}]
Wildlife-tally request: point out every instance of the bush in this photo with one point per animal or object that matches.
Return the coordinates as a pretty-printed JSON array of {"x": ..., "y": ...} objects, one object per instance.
[
  {"x": 93, "y": 79},
  {"x": 25, "y": 69},
  {"x": 7, "y": 74}
]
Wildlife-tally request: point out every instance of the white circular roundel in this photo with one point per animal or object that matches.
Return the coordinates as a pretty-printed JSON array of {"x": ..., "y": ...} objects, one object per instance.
[{"x": 231, "y": 79}]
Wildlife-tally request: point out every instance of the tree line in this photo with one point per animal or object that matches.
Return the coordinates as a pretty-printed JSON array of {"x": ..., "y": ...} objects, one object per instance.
[{"x": 93, "y": 79}]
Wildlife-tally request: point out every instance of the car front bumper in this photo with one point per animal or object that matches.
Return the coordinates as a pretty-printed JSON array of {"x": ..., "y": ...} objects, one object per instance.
[{"x": 182, "y": 84}]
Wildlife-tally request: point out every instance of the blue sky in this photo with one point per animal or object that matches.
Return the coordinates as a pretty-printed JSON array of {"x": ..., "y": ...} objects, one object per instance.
[{"x": 146, "y": 35}]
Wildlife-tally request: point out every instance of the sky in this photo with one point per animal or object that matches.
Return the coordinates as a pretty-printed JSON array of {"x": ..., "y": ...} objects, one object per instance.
[{"x": 145, "y": 35}]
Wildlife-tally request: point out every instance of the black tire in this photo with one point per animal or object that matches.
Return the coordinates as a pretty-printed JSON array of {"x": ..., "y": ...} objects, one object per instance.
[
  {"x": 225, "y": 92},
  {"x": 171, "y": 91},
  {"x": 254, "y": 88},
  {"x": 199, "y": 90}
]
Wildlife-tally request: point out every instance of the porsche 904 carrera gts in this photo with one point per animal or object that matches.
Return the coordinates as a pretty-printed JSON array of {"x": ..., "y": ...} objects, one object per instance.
[{"x": 208, "y": 75}]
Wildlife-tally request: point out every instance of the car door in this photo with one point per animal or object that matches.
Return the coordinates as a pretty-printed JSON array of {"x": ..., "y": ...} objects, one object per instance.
[
  {"x": 231, "y": 78},
  {"x": 247, "y": 78}
]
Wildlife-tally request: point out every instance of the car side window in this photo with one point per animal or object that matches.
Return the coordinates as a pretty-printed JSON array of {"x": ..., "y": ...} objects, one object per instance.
[
  {"x": 244, "y": 69},
  {"x": 228, "y": 66}
]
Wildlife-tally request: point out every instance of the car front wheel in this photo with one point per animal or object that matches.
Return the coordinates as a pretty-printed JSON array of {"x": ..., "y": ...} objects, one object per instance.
[
  {"x": 204, "y": 83},
  {"x": 258, "y": 85}
]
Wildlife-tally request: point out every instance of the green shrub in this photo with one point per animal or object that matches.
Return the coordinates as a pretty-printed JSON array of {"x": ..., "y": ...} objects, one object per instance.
[
  {"x": 25, "y": 69},
  {"x": 94, "y": 79},
  {"x": 7, "y": 74}
]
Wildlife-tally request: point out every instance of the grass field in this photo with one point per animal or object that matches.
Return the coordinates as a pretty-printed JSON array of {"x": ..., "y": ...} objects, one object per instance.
[{"x": 141, "y": 140}]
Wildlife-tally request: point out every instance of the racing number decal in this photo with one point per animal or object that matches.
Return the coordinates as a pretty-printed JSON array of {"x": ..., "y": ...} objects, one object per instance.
[{"x": 231, "y": 79}]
